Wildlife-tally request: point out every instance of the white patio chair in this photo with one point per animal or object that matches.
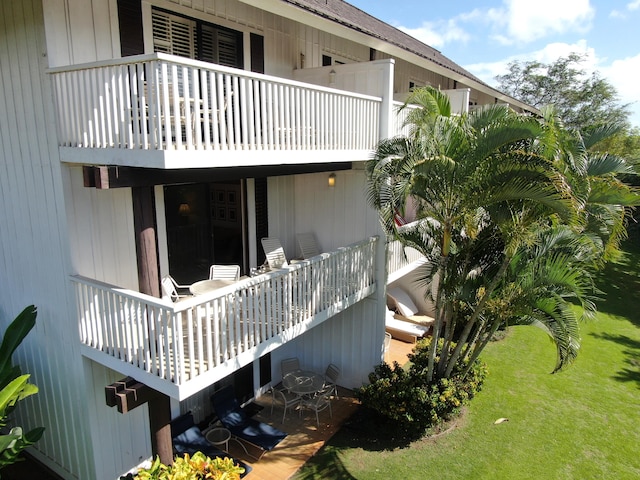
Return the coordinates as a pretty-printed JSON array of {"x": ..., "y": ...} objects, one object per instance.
[
  {"x": 170, "y": 289},
  {"x": 274, "y": 252},
  {"x": 224, "y": 272},
  {"x": 308, "y": 246}
]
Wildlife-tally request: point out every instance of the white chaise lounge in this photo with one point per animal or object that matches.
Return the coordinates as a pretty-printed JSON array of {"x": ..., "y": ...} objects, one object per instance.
[{"x": 405, "y": 331}]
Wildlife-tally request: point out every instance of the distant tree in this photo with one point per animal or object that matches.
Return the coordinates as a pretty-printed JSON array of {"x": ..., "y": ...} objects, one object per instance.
[{"x": 581, "y": 100}]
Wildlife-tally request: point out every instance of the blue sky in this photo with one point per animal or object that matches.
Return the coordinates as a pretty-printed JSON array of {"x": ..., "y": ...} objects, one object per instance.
[{"x": 485, "y": 35}]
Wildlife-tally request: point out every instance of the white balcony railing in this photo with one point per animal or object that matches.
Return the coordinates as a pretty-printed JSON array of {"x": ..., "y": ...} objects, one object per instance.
[
  {"x": 164, "y": 102},
  {"x": 180, "y": 342}
]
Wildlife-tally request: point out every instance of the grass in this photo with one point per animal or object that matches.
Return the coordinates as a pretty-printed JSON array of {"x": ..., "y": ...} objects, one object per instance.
[{"x": 582, "y": 423}]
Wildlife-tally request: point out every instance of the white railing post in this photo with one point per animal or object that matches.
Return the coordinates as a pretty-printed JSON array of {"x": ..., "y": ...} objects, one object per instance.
[{"x": 386, "y": 106}]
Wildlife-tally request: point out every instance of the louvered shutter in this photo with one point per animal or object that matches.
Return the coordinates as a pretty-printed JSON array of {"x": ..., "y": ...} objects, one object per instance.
[{"x": 173, "y": 34}]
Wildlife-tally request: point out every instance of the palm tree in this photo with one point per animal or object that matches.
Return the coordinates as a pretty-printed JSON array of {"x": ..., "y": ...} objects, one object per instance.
[{"x": 486, "y": 186}]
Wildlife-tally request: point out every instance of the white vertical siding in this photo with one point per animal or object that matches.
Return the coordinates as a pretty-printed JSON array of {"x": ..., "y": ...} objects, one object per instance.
[
  {"x": 45, "y": 236},
  {"x": 102, "y": 238},
  {"x": 34, "y": 258}
]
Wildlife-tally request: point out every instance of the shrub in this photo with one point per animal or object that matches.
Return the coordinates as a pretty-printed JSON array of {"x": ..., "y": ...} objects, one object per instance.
[
  {"x": 407, "y": 399},
  {"x": 196, "y": 467}
]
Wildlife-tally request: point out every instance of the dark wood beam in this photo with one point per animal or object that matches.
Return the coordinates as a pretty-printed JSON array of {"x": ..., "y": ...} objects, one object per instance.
[
  {"x": 104, "y": 177},
  {"x": 111, "y": 391},
  {"x": 128, "y": 394},
  {"x": 144, "y": 224}
]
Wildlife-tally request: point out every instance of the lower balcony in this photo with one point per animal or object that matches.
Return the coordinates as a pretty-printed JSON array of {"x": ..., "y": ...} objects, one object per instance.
[{"x": 180, "y": 348}]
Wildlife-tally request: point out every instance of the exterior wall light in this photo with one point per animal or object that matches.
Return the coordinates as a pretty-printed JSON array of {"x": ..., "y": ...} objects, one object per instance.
[{"x": 332, "y": 180}]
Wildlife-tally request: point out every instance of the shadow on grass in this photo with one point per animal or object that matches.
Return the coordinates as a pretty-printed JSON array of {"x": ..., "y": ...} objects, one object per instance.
[
  {"x": 620, "y": 283},
  {"x": 632, "y": 373},
  {"x": 366, "y": 430}
]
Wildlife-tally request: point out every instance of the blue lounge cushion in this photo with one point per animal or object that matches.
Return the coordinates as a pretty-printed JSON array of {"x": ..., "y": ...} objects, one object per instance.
[
  {"x": 187, "y": 438},
  {"x": 240, "y": 425}
]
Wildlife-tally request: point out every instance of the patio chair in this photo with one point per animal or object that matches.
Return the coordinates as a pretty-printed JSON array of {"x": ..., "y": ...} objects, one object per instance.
[
  {"x": 170, "y": 289},
  {"x": 289, "y": 365},
  {"x": 317, "y": 404},
  {"x": 308, "y": 246},
  {"x": 402, "y": 330},
  {"x": 331, "y": 375},
  {"x": 284, "y": 397},
  {"x": 187, "y": 438},
  {"x": 224, "y": 272},
  {"x": 400, "y": 301},
  {"x": 243, "y": 428},
  {"x": 274, "y": 252}
]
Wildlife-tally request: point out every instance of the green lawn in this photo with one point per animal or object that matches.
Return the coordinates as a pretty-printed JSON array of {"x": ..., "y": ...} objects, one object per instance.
[{"x": 582, "y": 423}]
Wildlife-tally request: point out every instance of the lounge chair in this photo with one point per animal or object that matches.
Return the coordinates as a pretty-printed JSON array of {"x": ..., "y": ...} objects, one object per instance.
[
  {"x": 242, "y": 428},
  {"x": 405, "y": 331},
  {"x": 405, "y": 309},
  {"x": 187, "y": 438},
  {"x": 307, "y": 244},
  {"x": 274, "y": 252}
]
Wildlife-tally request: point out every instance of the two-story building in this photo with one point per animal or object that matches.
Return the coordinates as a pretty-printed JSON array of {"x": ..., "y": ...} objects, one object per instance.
[{"x": 145, "y": 138}]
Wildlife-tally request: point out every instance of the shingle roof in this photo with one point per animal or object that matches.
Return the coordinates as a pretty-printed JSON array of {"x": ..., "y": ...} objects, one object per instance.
[{"x": 356, "y": 19}]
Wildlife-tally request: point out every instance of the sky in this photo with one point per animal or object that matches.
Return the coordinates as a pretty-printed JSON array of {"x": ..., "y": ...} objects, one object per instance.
[{"x": 483, "y": 36}]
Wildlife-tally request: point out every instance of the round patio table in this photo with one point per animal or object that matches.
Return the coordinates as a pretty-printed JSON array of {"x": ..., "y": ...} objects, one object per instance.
[
  {"x": 303, "y": 382},
  {"x": 204, "y": 286}
]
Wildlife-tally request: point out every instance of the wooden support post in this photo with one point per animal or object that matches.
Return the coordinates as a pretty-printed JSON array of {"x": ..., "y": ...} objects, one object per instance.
[
  {"x": 128, "y": 394},
  {"x": 144, "y": 222},
  {"x": 159, "y": 422}
]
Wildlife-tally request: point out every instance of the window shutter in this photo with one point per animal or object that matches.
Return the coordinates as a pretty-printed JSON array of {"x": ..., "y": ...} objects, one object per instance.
[
  {"x": 173, "y": 34},
  {"x": 130, "y": 20}
]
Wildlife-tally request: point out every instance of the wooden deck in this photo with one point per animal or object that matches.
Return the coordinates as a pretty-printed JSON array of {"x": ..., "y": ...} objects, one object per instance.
[{"x": 304, "y": 438}]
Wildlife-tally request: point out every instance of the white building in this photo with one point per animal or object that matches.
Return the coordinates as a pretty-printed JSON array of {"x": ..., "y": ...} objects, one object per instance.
[{"x": 120, "y": 165}]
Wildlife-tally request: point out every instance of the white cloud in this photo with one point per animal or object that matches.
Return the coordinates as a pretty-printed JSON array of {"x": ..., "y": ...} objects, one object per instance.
[
  {"x": 524, "y": 21},
  {"x": 437, "y": 34},
  {"x": 623, "y": 75},
  {"x": 635, "y": 5}
]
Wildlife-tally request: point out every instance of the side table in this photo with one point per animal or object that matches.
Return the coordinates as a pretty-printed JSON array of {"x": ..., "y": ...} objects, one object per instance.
[{"x": 219, "y": 436}]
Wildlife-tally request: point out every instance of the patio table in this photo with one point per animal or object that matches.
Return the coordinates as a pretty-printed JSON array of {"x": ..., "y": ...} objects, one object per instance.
[
  {"x": 303, "y": 382},
  {"x": 204, "y": 286}
]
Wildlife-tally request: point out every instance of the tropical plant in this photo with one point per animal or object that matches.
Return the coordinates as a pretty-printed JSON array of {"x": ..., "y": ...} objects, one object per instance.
[
  {"x": 196, "y": 467},
  {"x": 489, "y": 189},
  {"x": 15, "y": 386},
  {"x": 412, "y": 403}
]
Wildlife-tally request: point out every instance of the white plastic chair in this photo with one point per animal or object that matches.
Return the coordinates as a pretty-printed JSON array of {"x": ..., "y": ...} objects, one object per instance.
[
  {"x": 308, "y": 246},
  {"x": 274, "y": 252},
  {"x": 224, "y": 272},
  {"x": 170, "y": 289}
]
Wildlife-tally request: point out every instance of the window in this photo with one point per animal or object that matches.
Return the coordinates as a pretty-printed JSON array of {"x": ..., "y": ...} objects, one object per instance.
[{"x": 191, "y": 38}]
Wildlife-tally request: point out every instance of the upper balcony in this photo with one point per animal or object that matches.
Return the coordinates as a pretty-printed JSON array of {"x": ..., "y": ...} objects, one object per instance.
[
  {"x": 164, "y": 111},
  {"x": 180, "y": 348}
]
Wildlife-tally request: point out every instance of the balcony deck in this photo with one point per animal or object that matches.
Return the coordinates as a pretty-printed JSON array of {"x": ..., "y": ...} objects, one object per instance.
[
  {"x": 180, "y": 348},
  {"x": 164, "y": 111}
]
